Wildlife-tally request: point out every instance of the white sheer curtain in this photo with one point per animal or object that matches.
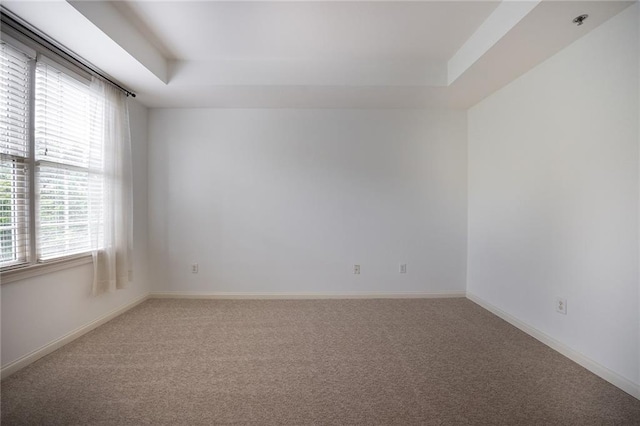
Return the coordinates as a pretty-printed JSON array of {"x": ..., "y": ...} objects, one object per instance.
[{"x": 111, "y": 229}]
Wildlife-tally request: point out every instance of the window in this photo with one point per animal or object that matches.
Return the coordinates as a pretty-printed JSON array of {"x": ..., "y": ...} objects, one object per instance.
[
  {"x": 68, "y": 154},
  {"x": 14, "y": 156},
  {"x": 51, "y": 171}
]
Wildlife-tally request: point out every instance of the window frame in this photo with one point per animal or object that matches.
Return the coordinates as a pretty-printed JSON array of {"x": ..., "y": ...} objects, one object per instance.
[
  {"x": 33, "y": 266},
  {"x": 58, "y": 164}
]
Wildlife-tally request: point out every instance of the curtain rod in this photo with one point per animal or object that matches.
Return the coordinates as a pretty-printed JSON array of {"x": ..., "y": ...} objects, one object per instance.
[{"x": 18, "y": 24}]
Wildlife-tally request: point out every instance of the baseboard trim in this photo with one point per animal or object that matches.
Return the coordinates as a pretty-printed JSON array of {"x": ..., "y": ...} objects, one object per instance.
[
  {"x": 610, "y": 376},
  {"x": 32, "y": 357},
  {"x": 286, "y": 296}
]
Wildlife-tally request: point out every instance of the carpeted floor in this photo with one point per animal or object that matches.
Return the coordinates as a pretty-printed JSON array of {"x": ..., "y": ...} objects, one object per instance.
[{"x": 416, "y": 361}]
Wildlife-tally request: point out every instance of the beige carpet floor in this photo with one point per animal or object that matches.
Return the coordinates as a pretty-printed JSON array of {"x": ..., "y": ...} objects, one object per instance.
[{"x": 299, "y": 362}]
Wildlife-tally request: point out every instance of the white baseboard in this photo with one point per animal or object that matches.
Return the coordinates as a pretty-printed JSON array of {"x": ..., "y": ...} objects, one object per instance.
[
  {"x": 610, "y": 376},
  {"x": 32, "y": 357},
  {"x": 349, "y": 295}
]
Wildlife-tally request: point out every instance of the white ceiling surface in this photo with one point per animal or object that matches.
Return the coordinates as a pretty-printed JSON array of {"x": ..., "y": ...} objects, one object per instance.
[
  {"x": 328, "y": 54},
  {"x": 432, "y": 31}
]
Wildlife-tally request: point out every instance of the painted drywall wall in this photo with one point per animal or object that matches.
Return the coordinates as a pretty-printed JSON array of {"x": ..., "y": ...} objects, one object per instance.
[
  {"x": 287, "y": 201},
  {"x": 553, "y": 196},
  {"x": 40, "y": 310}
]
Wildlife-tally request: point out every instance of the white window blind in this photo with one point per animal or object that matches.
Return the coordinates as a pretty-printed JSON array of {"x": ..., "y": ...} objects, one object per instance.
[
  {"x": 14, "y": 156},
  {"x": 65, "y": 162},
  {"x": 68, "y": 158}
]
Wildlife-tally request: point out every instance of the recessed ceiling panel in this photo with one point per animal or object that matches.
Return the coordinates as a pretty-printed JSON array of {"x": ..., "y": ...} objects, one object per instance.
[{"x": 427, "y": 31}]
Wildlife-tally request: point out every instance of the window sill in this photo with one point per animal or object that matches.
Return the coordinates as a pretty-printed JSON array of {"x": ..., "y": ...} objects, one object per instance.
[{"x": 29, "y": 271}]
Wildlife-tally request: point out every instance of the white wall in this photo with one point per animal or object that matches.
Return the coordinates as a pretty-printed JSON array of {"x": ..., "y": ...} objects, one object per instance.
[
  {"x": 40, "y": 310},
  {"x": 286, "y": 201},
  {"x": 553, "y": 196}
]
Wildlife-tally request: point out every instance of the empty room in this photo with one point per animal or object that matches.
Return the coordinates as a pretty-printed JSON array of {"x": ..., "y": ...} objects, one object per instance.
[{"x": 320, "y": 212}]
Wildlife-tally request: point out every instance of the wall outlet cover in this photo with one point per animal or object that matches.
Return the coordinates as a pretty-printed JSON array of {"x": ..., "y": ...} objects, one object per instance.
[{"x": 561, "y": 305}]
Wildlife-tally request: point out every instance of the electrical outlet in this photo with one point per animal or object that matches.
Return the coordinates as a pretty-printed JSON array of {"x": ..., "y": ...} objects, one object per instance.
[
  {"x": 403, "y": 268},
  {"x": 561, "y": 306},
  {"x": 194, "y": 268},
  {"x": 356, "y": 269}
]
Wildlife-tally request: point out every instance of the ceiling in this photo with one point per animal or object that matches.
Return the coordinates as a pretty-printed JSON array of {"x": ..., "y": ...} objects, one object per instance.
[
  {"x": 314, "y": 54},
  {"x": 429, "y": 31}
]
